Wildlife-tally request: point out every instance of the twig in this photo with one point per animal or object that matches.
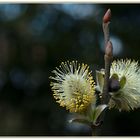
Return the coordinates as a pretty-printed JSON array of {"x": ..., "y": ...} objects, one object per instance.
[{"x": 108, "y": 59}]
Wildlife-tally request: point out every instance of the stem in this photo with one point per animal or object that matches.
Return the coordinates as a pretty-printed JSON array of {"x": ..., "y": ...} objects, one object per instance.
[
  {"x": 106, "y": 32},
  {"x": 105, "y": 95},
  {"x": 94, "y": 132},
  {"x": 108, "y": 59}
]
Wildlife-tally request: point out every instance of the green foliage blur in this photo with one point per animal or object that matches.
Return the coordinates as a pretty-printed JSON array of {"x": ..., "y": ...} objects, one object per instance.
[{"x": 34, "y": 39}]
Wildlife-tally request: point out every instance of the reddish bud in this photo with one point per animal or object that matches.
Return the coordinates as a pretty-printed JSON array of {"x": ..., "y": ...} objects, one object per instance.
[
  {"x": 109, "y": 49},
  {"x": 107, "y": 16}
]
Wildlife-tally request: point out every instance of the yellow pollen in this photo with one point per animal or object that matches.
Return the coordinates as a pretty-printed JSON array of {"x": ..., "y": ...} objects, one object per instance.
[{"x": 73, "y": 86}]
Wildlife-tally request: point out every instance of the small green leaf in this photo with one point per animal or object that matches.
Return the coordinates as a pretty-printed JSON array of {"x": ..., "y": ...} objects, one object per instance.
[
  {"x": 122, "y": 81},
  {"x": 96, "y": 113},
  {"x": 100, "y": 80}
]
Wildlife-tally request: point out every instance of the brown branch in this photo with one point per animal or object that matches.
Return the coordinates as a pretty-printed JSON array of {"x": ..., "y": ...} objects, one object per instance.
[{"x": 108, "y": 59}]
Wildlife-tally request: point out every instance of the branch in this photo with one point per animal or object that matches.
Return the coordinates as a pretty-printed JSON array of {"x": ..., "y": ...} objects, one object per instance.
[{"x": 107, "y": 57}]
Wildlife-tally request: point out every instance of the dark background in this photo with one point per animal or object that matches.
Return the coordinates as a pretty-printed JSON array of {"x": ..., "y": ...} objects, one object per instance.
[{"x": 34, "y": 39}]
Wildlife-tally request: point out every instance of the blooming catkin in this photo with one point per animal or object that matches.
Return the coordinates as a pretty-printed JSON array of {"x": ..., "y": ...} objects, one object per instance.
[
  {"x": 73, "y": 86},
  {"x": 128, "y": 96}
]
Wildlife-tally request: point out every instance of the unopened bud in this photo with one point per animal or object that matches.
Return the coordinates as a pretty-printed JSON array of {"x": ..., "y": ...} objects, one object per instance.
[
  {"x": 109, "y": 49},
  {"x": 107, "y": 16},
  {"x": 114, "y": 85}
]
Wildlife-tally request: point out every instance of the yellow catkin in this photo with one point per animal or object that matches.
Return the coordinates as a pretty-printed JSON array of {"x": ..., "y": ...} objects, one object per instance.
[
  {"x": 128, "y": 97},
  {"x": 73, "y": 86}
]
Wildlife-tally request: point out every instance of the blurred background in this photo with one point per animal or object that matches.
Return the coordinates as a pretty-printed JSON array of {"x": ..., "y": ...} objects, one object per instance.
[{"x": 34, "y": 39}]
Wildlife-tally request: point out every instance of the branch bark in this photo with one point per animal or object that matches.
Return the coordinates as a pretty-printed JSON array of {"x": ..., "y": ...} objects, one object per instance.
[{"x": 108, "y": 59}]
